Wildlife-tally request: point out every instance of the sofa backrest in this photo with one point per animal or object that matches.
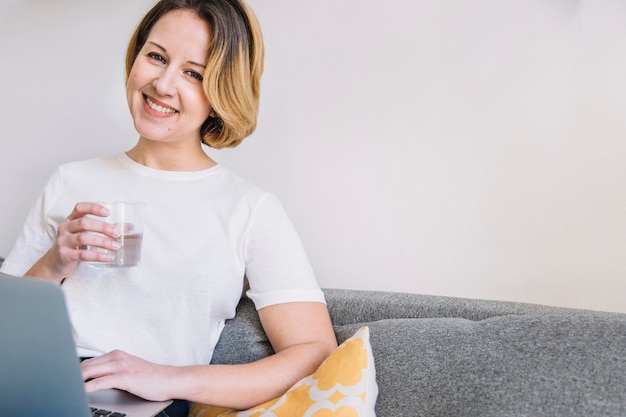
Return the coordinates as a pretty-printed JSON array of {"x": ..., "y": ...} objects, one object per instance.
[{"x": 440, "y": 356}]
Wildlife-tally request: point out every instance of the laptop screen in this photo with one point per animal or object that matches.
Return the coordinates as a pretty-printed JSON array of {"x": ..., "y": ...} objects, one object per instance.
[{"x": 39, "y": 369}]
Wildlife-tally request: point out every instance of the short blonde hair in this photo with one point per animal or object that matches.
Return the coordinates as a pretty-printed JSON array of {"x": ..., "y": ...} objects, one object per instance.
[{"x": 233, "y": 73}]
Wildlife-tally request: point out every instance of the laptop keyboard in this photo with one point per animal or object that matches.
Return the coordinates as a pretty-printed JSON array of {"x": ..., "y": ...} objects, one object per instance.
[{"x": 99, "y": 412}]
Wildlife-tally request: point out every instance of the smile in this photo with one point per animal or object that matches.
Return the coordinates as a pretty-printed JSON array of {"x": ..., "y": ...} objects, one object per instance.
[{"x": 159, "y": 108}]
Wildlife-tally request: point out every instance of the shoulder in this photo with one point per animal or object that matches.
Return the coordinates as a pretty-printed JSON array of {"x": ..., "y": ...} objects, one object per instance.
[
  {"x": 85, "y": 166},
  {"x": 243, "y": 189},
  {"x": 243, "y": 199},
  {"x": 77, "y": 173}
]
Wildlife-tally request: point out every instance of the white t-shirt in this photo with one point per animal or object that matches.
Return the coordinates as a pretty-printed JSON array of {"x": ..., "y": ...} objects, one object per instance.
[{"x": 204, "y": 233}]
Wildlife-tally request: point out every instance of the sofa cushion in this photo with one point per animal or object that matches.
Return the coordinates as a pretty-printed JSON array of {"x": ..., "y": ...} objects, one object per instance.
[{"x": 521, "y": 365}]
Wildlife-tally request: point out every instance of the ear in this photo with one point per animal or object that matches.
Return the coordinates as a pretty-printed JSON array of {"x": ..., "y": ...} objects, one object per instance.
[{"x": 213, "y": 114}]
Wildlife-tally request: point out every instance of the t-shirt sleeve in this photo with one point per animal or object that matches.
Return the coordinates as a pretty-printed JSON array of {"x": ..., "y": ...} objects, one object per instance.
[
  {"x": 277, "y": 267},
  {"x": 37, "y": 235}
]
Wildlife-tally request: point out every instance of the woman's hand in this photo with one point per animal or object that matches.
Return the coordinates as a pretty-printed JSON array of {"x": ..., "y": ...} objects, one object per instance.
[
  {"x": 124, "y": 371},
  {"x": 73, "y": 236}
]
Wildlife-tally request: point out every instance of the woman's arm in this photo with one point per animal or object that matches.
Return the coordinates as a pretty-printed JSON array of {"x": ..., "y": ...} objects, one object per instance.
[
  {"x": 300, "y": 333},
  {"x": 302, "y": 337}
]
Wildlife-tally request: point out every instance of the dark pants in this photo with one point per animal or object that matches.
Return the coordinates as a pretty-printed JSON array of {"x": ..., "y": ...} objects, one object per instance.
[{"x": 179, "y": 408}]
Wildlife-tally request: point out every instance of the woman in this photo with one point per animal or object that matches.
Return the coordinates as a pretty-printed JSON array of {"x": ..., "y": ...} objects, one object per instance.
[{"x": 193, "y": 69}]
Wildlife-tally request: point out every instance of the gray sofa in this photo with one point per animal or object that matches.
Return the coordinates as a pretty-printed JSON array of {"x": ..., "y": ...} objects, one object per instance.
[{"x": 442, "y": 356}]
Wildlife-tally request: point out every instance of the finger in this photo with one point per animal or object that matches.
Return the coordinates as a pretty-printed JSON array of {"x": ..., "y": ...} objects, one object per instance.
[
  {"x": 83, "y": 240},
  {"x": 85, "y": 247},
  {"x": 68, "y": 255},
  {"x": 105, "y": 382},
  {"x": 90, "y": 224},
  {"x": 90, "y": 255},
  {"x": 103, "y": 365},
  {"x": 84, "y": 208}
]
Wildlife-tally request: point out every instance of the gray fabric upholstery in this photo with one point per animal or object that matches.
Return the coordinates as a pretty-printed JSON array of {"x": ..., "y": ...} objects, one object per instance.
[{"x": 442, "y": 356}]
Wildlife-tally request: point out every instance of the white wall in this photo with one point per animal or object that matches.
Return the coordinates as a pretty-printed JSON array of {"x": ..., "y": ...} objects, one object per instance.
[{"x": 473, "y": 149}]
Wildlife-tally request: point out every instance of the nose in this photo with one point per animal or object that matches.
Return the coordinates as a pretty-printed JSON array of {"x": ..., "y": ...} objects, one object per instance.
[{"x": 165, "y": 82}]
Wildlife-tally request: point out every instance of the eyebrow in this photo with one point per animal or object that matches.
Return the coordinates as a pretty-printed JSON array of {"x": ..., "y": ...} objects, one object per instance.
[{"x": 165, "y": 50}]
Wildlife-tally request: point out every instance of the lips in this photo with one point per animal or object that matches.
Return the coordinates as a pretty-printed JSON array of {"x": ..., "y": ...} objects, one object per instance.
[{"x": 159, "y": 107}]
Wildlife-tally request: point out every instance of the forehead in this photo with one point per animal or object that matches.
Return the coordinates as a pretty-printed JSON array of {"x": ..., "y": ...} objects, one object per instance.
[{"x": 182, "y": 31}]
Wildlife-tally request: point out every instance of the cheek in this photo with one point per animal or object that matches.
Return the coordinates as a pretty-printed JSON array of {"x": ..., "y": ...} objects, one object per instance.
[
  {"x": 201, "y": 104},
  {"x": 206, "y": 109},
  {"x": 133, "y": 85},
  {"x": 132, "y": 81},
  {"x": 139, "y": 74},
  {"x": 129, "y": 89}
]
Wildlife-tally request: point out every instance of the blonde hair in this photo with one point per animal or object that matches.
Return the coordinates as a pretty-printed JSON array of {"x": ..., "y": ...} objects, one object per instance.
[{"x": 233, "y": 73}]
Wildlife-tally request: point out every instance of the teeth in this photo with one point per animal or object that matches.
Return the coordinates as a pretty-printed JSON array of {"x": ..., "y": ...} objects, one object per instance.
[{"x": 158, "y": 108}]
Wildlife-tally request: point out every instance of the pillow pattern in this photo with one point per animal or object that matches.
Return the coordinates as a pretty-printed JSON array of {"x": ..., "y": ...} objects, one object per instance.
[{"x": 344, "y": 385}]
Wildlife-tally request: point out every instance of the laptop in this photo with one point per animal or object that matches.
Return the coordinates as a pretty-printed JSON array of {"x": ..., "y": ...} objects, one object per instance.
[{"x": 39, "y": 368}]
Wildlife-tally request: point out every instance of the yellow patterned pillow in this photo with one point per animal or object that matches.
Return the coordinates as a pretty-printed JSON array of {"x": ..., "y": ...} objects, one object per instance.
[{"x": 343, "y": 386}]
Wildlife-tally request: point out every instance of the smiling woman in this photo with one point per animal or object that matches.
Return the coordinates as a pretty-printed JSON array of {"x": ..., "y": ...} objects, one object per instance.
[
  {"x": 193, "y": 73},
  {"x": 230, "y": 76},
  {"x": 164, "y": 86},
  {"x": 470, "y": 149}
]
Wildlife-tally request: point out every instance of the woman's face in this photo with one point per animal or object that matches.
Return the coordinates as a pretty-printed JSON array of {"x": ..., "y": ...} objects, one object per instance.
[{"x": 164, "y": 88}]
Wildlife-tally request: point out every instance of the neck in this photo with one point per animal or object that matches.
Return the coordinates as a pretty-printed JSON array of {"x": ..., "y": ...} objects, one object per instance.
[{"x": 170, "y": 157}]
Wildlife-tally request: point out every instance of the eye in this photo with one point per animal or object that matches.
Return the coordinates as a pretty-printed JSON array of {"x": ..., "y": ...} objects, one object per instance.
[
  {"x": 195, "y": 75},
  {"x": 156, "y": 57}
]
